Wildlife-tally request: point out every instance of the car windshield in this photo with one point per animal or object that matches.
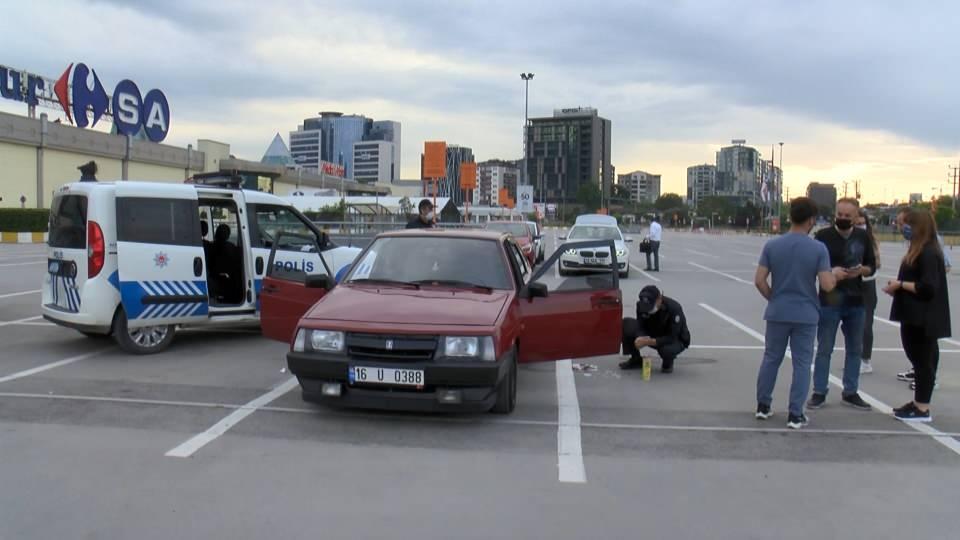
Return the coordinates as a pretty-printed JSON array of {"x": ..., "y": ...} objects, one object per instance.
[
  {"x": 425, "y": 260},
  {"x": 516, "y": 228},
  {"x": 584, "y": 232}
]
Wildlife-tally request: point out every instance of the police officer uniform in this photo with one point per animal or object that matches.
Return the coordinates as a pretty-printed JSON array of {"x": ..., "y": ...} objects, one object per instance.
[{"x": 666, "y": 324}]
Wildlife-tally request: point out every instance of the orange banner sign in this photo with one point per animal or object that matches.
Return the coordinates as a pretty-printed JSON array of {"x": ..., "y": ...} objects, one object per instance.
[
  {"x": 434, "y": 159},
  {"x": 468, "y": 176}
]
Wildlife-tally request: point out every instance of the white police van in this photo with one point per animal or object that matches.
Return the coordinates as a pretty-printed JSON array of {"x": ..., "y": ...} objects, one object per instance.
[{"x": 138, "y": 259}]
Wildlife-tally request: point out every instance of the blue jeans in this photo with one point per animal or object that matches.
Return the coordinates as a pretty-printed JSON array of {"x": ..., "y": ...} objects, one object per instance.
[
  {"x": 851, "y": 320},
  {"x": 801, "y": 338}
]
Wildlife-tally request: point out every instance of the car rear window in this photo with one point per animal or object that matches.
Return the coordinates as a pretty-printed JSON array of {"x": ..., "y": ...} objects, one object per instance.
[
  {"x": 158, "y": 221},
  {"x": 516, "y": 228},
  {"x": 68, "y": 222}
]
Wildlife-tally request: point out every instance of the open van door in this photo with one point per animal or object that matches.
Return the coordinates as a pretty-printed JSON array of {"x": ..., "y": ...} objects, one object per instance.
[
  {"x": 293, "y": 284},
  {"x": 162, "y": 272}
]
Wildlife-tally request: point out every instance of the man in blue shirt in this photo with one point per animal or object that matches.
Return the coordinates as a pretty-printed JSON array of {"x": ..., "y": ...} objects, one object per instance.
[{"x": 795, "y": 261}]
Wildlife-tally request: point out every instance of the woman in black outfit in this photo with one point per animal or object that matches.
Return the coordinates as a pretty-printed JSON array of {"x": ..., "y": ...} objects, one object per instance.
[
  {"x": 921, "y": 304},
  {"x": 869, "y": 287}
]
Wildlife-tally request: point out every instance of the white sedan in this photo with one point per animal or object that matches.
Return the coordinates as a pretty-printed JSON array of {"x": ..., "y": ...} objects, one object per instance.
[{"x": 593, "y": 259}]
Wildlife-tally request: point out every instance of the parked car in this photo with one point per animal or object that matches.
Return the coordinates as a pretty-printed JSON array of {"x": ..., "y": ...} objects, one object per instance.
[
  {"x": 540, "y": 248},
  {"x": 436, "y": 320},
  {"x": 521, "y": 233},
  {"x": 596, "y": 227}
]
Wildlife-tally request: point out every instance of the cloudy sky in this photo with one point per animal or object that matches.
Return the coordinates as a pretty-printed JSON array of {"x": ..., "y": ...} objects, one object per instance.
[{"x": 855, "y": 90}]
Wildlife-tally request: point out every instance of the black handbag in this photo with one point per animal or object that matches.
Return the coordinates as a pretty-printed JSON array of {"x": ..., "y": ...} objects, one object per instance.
[{"x": 645, "y": 246}]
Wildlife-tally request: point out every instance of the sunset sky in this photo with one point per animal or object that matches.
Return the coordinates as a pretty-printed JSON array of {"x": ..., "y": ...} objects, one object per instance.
[{"x": 855, "y": 90}]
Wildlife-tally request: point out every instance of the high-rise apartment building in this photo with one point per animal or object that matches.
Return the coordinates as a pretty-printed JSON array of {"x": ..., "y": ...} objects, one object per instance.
[
  {"x": 643, "y": 186},
  {"x": 449, "y": 186},
  {"x": 493, "y": 175},
  {"x": 332, "y": 135},
  {"x": 825, "y": 195},
  {"x": 738, "y": 173},
  {"x": 566, "y": 150},
  {"x": 700, "y": 182}
]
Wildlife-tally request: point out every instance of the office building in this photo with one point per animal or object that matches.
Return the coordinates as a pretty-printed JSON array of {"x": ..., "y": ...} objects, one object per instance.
[
  {"x": 738, "y": 173},
  {"x": 331, "y": 137},
  {"x": 825, "y": 195},
  {"x": 493, "y": 175},
  {"x": 771, "y": 188},
  {"x": 449, "y": 186},
  {"x": 700, "y": 182},
  {"x": 566, "y": 150},
  {"x": 375, "y": 162},
  {"x": 643, "y": 186}
]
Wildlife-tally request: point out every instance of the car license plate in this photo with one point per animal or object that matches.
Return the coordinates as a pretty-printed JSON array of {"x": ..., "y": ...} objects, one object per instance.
[
  {"x": 381, "y": 375},
  {"x": 591, "y": 260}
]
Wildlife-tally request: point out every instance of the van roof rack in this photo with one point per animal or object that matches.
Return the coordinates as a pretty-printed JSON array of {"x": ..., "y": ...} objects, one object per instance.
[{"x": 217, "y": 179}]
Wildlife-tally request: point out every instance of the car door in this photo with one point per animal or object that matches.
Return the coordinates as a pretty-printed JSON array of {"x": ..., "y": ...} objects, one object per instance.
[
  {"x": 161, "y": 267},
  {"x": 579, "y": 316},
  {"x": 285, "y": 296}
]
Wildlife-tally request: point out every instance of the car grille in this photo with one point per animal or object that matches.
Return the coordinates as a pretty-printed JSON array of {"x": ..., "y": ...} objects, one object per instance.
[
  {"x": 595, "y": 254},
  {"x": 391, "y": 348}
]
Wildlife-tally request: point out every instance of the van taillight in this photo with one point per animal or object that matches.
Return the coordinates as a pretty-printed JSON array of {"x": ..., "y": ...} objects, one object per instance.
[{"x": 96, "y": 249}]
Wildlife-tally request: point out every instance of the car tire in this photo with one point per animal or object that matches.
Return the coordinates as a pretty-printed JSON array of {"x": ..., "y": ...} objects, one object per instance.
[
  {"x": 625, "y": 274},
  {"x": 146, "y": 340},
  {"x": 563, "y": 273},
  {"x": 507, "y": 392}
]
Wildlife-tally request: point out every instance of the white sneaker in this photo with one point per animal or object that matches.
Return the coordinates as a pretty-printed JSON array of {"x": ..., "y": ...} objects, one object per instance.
[{"x": 865, "y": 367}]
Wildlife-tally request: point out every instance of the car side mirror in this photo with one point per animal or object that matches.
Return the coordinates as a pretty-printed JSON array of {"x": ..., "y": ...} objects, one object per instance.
[
  {"x": 537, "y": 290},
  {"x": 628, "y": 240},
  {"x": 564, "y": 237},
  {"x": 319, "y": 281},
  {"x": 538, "y": 237}
]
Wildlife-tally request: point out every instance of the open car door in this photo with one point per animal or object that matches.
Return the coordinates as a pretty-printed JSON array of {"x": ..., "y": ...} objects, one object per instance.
[
  {"x": 575, "y": 316},
  {"x": 297, "y": 277},
  {"x": 162, "y": 275}
]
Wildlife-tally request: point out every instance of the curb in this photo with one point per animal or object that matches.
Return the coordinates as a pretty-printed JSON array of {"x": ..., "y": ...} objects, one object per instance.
[{"x": 23, "y": 237}]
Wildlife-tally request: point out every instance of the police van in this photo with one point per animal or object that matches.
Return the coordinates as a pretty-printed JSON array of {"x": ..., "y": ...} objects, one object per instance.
[{"x": 137, "y": 260}]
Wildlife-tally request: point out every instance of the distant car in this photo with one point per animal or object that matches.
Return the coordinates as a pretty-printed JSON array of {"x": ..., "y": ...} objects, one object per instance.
[
  {"x": 595, "y": 227},
  {"x": 540, "y": 250},
  {"x": 521, "y": 233},
  {"x": 435, "y": 321}
]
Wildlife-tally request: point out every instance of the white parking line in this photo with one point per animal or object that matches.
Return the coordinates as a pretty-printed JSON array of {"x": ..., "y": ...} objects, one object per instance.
[
  {"x": 191, "y": 445},
  {"x": 569, "y": 449},
  {"x": 897, "y": 325},
  {"x": 754, "y": 254},
  {"x": 22, "y": 264},
  {"x": 21, "y": 293},
  {"x": 20, "y": 321},
  {"x": 760, "y": 348},
  {"x": 878, "y": 405},
  {"x": 644, "y": 272},
  {"x": 51, "y": 365},
  {"x": 724, "y": 274},
  {"x": 702, "y": 253}
]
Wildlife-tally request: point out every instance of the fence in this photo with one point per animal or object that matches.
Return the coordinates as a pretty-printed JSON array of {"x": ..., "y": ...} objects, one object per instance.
[{"x": 359, "y": 234}]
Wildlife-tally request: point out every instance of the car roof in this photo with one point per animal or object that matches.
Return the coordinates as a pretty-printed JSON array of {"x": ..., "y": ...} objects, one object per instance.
[
  {"x": 596, "y": 219},
  {"x": 474, "y": 234},
  {"x": 249, "y": 195}
]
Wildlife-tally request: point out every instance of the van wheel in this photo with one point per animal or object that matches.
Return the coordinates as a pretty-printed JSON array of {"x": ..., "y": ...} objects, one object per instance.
[
  {"x": 507, "y": 393},
  {"x": 143, "y": 340}
]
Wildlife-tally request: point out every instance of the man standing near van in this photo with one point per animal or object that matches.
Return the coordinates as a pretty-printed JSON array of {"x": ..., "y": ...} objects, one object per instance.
[
  {"x": 795, "y": 261},
  {"x": 851, "y": 257},
  {"x": 425, "y": 217},
  {"x": 656, "y": 232}
]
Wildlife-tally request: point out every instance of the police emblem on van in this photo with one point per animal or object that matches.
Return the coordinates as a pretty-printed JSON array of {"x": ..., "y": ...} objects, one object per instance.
[{"x": 161, "y": 259}]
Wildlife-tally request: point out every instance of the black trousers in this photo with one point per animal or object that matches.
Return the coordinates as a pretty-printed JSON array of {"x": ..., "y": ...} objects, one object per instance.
[
  {"x": 655, "y": 251},
  {"x": 632, "y": 330},
  {"x": 924, "y": 353},
  {"x": 870, "y": 303}
]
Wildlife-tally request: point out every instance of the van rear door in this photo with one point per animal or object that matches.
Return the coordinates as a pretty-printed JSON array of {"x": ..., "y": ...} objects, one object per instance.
[
  {"x": 160, "y": 254},
  {"x": 66, "y": 252}
]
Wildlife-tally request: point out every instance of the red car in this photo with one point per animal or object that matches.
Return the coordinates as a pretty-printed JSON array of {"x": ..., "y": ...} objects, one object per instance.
[
  {"x": 521, "y": 233},
  {"x": 434, "y": 320}
]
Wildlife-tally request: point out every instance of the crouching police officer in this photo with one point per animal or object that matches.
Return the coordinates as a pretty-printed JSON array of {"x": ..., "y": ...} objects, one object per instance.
[{"x": 660, "y": 325}]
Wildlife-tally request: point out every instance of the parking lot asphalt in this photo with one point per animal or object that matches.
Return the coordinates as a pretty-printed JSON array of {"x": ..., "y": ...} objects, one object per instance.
[{"x": 88, "y": 434}]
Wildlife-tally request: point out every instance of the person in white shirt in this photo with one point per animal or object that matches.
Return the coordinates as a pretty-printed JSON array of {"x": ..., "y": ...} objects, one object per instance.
[{"x": 656, "y": 232}]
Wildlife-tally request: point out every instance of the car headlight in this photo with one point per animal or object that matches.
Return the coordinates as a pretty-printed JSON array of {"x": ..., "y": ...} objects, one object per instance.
[
  {"x": 469, "y": 347},
  {"x": 318, "y": 340},
  {"x": 571, "y": 252},
  {"x": 621, "y": 253}
]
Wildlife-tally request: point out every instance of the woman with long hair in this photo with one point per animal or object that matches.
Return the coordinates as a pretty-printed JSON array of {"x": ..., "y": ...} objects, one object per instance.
[
  {"x": 869, "y": 286},
  {"x": 922, "y": 305}
]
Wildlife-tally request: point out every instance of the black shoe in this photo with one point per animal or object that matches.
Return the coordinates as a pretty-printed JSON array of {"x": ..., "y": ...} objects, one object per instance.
[
  {"x": 857, "y": 402},
  {"x": 632, "y": 363},
  {"x": 817, "y": 401},
  {"x": 763, "y": 411},
  {"x": 907, "y": 376},
  {"x": 666, "y": 369},
  {"x": 797, "y": 422},
  {"x": 904, "y": 407},
  {"x": 910, "y": 413},
  {"x": 648, "y": 269}
]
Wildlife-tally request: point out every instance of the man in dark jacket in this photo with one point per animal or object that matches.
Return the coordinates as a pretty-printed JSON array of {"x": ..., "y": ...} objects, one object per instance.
[
  {"x": 660, "y": 325},
  {"x": 425, "y": 219}
]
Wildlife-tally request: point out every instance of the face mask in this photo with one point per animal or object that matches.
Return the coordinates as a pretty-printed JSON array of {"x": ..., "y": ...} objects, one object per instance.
[
  {"x": 907, "y": 232},
  {"x": 429, "y": 216},
  {"x": 861, "y": 227},
  {"x": 843, "y": 224},
  {"x": 651, "y": 313}
]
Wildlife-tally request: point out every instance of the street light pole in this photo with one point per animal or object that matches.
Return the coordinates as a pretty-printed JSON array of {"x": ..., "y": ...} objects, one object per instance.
[{"x": 527, "y": 77}]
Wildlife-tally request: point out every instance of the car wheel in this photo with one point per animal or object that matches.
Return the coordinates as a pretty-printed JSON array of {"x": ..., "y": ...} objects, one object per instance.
[
  {"x": 564, "y": 273},
  {"x": 626, "y": 273},
  {"x": 507, "y": 393},
  {"x": 143, "y": 340}
]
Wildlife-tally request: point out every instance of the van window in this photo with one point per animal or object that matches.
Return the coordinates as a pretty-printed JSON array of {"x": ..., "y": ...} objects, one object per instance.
[
  {"x": 158, "y": 221},
  {"x": 267, "y": 221},
  {"x": 68, "y": 222}
]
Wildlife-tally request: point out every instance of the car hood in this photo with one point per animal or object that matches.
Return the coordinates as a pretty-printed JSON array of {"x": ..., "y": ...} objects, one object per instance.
[{"x": 407, "y": 306}]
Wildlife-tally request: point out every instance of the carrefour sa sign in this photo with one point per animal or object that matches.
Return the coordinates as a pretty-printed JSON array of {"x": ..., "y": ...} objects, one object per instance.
[{"x": 85, "y": 101}]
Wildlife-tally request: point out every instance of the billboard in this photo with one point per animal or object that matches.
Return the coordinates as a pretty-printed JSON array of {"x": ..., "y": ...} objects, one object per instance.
[
  {"x": 434, "y": 159},
  {"x": 468, "y": 176},
  {"x": 525, "y": 198}
]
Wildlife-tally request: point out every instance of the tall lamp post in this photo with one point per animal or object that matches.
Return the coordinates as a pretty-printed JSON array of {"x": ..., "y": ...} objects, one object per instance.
[
  {"x": 527, "y": 77},
  {"x": 780, "y": 186}
]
